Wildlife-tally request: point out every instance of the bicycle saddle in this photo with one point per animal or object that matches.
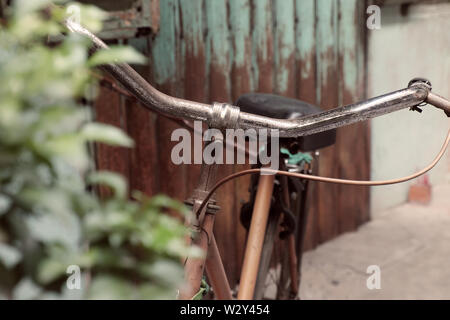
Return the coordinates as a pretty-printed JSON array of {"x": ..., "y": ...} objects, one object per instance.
[{"x": 274, "y": 106}]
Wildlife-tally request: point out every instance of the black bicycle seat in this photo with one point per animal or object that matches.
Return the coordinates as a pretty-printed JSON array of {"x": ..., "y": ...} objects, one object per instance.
[{"x": 274, "y": 106}]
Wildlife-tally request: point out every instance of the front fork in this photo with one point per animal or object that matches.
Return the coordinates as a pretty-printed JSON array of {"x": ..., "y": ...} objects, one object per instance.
[{"x": 203, "y": 237}]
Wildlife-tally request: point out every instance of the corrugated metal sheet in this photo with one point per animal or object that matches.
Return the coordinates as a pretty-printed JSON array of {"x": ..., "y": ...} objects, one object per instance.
[{"x": 217, "y": 50}]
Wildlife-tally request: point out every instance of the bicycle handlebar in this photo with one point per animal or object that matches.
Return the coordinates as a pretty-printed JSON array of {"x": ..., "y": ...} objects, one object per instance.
[
  {"x": 439, "y": 102},
  {"x": 222, "y": 115}
]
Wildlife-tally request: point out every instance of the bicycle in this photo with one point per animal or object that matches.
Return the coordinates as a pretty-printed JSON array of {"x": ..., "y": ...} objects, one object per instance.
[{"x": 301, "y": 126}]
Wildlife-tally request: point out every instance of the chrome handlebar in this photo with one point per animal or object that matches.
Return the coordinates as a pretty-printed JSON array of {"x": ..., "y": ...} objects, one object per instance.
[
  {"x": 439, "y": 102},
  {"x": 222, "y": 115}
]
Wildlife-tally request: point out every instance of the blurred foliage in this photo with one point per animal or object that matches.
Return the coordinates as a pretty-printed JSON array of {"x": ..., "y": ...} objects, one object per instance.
[{"x": 49, "y": 217}]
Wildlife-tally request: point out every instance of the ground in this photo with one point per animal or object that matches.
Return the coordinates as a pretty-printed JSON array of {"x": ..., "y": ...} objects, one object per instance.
[{"x": 410, "y": 243}]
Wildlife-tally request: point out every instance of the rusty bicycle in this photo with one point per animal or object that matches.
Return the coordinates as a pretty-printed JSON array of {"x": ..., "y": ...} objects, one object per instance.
[{"x": 276, "y": 214}]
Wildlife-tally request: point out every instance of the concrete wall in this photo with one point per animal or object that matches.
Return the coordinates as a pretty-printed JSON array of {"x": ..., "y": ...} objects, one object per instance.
[{"x": 408, "y": 45}]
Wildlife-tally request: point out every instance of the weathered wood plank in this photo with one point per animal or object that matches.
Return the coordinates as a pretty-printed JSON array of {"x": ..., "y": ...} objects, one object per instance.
[
  {"x": 305, "y": 39},
  {"x": 144, "y": 166},
  {"x": 306, "y": 49},
  {"x": 218, "y": 50},
  {"x": 109, "y": 110},
  {"x": 166, "y": 71},
  {"x": 241, "y": 82},
  {"x": 284, "y": 47},
  {"x": 327, "y": 97},
  {"x": 141, "y": 127},
  {"x": 218, "y": 56},
  {"x": 194, "y": 62},
  {"x": 262, "y": 46},
  {"x": 353, "y": 153},
  {"x": 347, "y": 93}
]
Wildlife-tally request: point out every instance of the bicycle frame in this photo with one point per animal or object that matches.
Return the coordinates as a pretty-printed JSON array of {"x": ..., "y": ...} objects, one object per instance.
[{"x": 204, "y": 238}]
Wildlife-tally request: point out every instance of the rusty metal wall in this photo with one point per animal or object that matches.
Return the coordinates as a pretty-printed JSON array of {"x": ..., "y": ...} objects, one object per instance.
[{"x": 217, "y": 50}]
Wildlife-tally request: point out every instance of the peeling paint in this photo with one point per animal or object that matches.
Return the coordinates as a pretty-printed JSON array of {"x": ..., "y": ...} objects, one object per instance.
[
  {"x": 193, "y": 50},
  {"x": 262, "y": 45},
  {"x": 326, "y": 40},
  {"x": 164, "y": 45},
  {"x": 240, "y": 26},
  {"x": 348, "y": 35},
  {"x": 284, "y": 42},
  {"x": 217, "y": 43},
  {"x": 241, "y": 79},
  {"x": 192, "y": 23},
  {"x": 305, "y": 35}
]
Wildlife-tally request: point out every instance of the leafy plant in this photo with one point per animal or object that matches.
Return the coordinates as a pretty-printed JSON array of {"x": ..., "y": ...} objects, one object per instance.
[{"x": 49, "y": 217}]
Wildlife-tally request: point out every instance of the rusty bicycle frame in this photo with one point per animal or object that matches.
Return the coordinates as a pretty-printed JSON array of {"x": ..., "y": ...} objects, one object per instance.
[
  {"x": 222, "y": 116},
  {"x": 204, "y": 238}
]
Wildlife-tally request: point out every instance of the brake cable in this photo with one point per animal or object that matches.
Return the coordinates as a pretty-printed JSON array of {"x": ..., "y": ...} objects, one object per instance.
[{"x": 324, "y": 179}]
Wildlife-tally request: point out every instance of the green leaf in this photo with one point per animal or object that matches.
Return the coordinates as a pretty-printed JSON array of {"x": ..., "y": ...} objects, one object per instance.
[
  {"x": 26, "y": 289},
  {"x": 149, "y": 291},
  {"x": 5, "y": 204},
  {"x": 111, "y": 135},
  {"x": 111, "y": 179},
  {"x": 22, "y": 7},
  {"x": 9, "y": 256},
  {"x": 163, "y": 201},
  {"x": 117, "y": 54},
  {"x": 204, "y": 289},
  {"x": 70, "y": 147},
  {"x": 50, "y": 270},
  {"x": 110, "y": 288},
  {"x": 56, "y": 228},
  {"x": 91, "y": 17}
]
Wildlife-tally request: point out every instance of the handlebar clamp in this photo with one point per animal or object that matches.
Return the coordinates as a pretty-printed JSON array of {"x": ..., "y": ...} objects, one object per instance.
[
  {"x": 432, "y": 98},
  {"x": 223, "y": 116},
  {"x": 422, "y": 82}
]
